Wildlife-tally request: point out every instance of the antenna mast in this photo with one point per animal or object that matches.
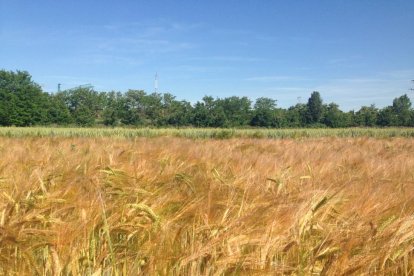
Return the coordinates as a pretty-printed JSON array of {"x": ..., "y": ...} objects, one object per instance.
[{"x": 156, "y": 83}]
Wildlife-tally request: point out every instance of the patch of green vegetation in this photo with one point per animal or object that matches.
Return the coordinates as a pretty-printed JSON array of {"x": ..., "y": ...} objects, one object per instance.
[{"x": 204, "y": 133}]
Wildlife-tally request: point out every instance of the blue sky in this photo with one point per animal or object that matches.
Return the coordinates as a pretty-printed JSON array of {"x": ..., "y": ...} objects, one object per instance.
[{"x": 354, "y": 52}]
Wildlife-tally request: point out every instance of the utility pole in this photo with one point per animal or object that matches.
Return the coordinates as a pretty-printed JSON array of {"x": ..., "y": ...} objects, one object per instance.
[
  {"x": 412, "y": 89},
  {"x": 59, "y": 84}
]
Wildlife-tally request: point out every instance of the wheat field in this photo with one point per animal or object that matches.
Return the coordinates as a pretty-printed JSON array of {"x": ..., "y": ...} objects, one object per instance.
[{"x": 177, "y": 206}]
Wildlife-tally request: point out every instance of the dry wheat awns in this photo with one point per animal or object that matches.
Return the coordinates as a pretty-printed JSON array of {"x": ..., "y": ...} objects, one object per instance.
[{"x": 175, "y": 206}]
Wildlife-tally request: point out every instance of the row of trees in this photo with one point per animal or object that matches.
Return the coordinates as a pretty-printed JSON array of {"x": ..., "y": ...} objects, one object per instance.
[{"x": 23, "y": 103}]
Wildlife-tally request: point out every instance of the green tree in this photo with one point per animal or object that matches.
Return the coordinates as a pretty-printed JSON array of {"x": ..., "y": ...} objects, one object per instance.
[
  {"x": 264, "y": 112},
  {"x": 237, "y": 110},
  {"x": 334, "y": 117},
  {"x": 200, "y": 116},
  {"x": 84, "y": 105},
  {"x": 7, "y": 103},
  {"x": 387, "y": 117},
  {"x": 280, "y": 118},
  {"x": 180, "y": 115},
  {"x": 314, "y": 108},
  {"x": 84, "y": 116},
  {"x": 132, "y": 109},
  {"x": 296, "y": 116},
  {"x": 412, "y": 118},
  {"x": 112, "y": 108},
  {"x": 175, "y": 113},
  {"x": 58, "y": 112},
  {"x": 401, "y": 107},
  {"x": 209, "y": 113},
  {"x": 367, "y": 116},
  {"x": 351, "y": 121},
  {"x": 22, "y": 101},
  {"x": 153, "y": 109}
]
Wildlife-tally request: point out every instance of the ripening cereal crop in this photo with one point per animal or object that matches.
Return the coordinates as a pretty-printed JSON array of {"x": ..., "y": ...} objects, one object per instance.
[{"x": 179, "y": 206}]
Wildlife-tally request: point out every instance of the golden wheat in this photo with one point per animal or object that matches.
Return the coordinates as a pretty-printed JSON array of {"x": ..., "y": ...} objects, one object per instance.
[{"x": 175, "y": 206}]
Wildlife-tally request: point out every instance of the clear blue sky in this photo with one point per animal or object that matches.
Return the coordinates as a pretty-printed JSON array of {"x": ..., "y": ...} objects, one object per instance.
[{"x": 354, "y": 52}]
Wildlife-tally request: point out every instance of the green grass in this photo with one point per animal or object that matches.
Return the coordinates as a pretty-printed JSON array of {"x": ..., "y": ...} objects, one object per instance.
[{"x": 204, "y": 133}]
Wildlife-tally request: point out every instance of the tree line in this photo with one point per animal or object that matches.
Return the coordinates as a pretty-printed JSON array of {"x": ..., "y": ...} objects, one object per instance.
[{"x": 24, "y": 103}]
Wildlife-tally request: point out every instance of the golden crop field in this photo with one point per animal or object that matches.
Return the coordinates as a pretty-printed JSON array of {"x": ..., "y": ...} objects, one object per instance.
[{"x": 179, "y": 206}]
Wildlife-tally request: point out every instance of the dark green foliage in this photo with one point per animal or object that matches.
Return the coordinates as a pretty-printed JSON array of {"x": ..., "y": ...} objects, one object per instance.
[
  {"x": 402, "y": 109},
  {"x": 296, "y": 116},
  {"x": 387, "y": 117},
  {"x": 23, "y": 103},
  {"x": 280, "y": 120},
  {"x": 85, "y": 105},
  {"x": 209, "y": 113},
  {"x": 264, "y": 114},
  {"x": 176, "y": 113},
  {"x": 334, "y": 117},
  {"x": 314, "y": 108},
  {"x": 7, "y": 106},
  {"x": 111, "y": 109},
  {"x": 237, "y": 111},
  {"x": 367, "y": 116},
  {"x": 58, "y": 112},
  {"x": 132, "y": 110}
]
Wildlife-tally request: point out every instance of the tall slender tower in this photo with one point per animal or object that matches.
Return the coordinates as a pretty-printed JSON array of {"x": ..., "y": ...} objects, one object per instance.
[{"x": 156, "y": 83}]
